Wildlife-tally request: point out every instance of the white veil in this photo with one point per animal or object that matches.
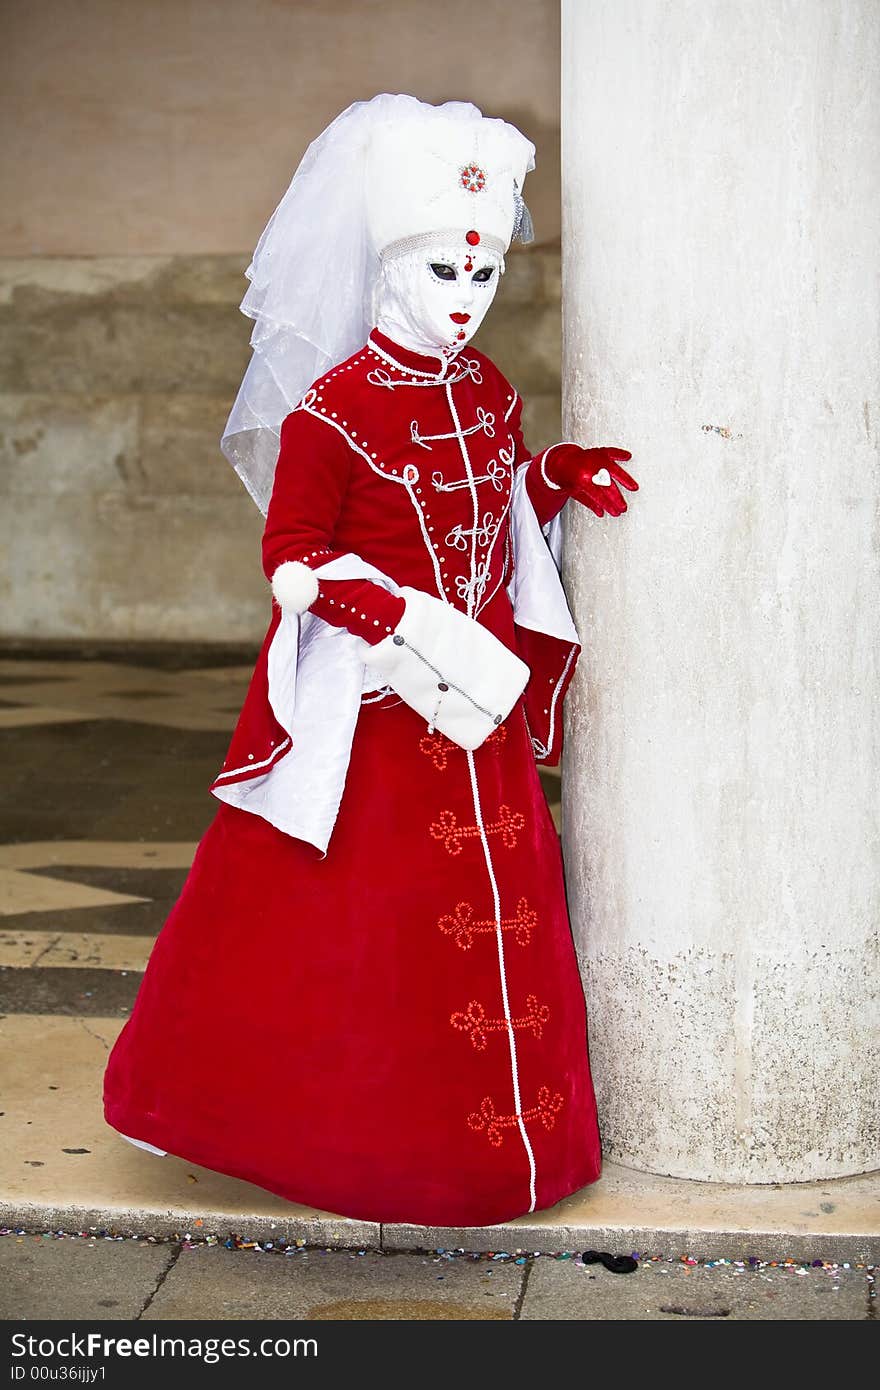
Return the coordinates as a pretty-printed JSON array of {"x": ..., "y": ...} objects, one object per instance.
[{"x": 312, "y": 277}]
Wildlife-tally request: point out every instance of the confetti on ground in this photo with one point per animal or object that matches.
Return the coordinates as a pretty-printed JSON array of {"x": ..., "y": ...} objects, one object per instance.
[{"x": 234, "y": 1241}]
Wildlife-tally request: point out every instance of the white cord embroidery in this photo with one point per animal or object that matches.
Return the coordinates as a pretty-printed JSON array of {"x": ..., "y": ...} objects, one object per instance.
[
  {"x": 380, "y": 695},
  {"x": 485, "y": 532},
  {"x": 401, "y": 367},
  {"x": 501, "y": 578},
  {"x": 409, "y": 478},
  {"x": 462, "y": 367},
  {"x": 325, "y": 419},
  {"x": 502, "y": 971},
  {"x": 379, "y": 377},
  {"x": 495, "y": 474},
  {"x": 497, "y": 471},
  {"x": 542, "y": 750},
  {"x": 549, "y": 481},
  {"x": 485, "y": 422},
  {"x": 252, "y": 767},
  {"x": 472, "y": 369},
  {"x": 471, "y": 590}
]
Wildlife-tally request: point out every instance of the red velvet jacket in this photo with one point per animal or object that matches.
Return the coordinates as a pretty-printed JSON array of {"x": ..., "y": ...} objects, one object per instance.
[{"x": 410, "y": 467}]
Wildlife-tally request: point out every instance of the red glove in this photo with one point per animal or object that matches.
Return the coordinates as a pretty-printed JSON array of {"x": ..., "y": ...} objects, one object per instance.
[{"x": 573, "y": 469}]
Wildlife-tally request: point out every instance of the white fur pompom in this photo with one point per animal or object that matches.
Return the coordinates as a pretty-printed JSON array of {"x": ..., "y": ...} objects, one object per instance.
[{"x": 294, "y": 586}]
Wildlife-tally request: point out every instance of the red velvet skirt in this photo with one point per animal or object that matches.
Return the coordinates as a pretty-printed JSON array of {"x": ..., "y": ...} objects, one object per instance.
[{"x": 396, "y": 1032}]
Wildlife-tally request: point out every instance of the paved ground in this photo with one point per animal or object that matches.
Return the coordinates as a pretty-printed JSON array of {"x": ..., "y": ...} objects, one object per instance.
[
  {"x": 107, "y": 757},
  {"x": 81, "y": 1277}
]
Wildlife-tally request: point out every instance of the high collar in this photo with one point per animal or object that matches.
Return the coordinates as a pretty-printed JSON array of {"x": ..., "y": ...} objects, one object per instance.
[{"x": 408, "y": 361}]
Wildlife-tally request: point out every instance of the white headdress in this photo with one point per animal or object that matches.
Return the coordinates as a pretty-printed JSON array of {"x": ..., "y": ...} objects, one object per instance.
[{"x": 386, "y": 176}]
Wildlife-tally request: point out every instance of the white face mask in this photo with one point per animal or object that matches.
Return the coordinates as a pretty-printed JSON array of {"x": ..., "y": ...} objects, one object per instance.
[{"x": 434, "y": 300}]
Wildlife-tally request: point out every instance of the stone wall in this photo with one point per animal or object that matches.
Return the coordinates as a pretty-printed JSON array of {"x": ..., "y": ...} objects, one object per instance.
[
  {"x": 173, "y": 128},
  {"x": 121, "y": 518}
]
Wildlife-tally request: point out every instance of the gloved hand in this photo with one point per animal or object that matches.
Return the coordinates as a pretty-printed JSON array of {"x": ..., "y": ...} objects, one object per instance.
[{"x": 576, "y": 470}]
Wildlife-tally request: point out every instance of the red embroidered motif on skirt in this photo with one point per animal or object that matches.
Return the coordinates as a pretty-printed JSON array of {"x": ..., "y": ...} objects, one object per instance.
[
  {"x": 475, "y": 1021},
  {"x": 487, "y": 1117},
  {"x": 463, "y": 926},
  {"x": 497, "y": 738},
  {"x": 438, "y": 747},
  {"x": 452, "y": 835}
]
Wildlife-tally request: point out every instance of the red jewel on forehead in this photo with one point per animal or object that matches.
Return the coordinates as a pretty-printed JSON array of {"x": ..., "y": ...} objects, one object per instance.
[
  {"x": 469, "y": 265},
  {"x": 472, "y": 238}
]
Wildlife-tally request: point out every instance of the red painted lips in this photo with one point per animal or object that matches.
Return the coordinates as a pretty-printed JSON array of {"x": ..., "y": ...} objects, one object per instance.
[{"x": 460, "y": 318}]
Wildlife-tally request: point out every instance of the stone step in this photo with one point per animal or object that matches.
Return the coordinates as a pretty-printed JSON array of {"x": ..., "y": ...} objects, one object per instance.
[{"x": 63, "y": 1168}]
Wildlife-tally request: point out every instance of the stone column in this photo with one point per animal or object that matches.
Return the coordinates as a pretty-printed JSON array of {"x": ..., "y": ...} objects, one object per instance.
[{"x": 720, "y": 808}]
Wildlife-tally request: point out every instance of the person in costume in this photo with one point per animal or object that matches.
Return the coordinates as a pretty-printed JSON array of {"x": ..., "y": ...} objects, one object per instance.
[{"x": 366, "y": 997}]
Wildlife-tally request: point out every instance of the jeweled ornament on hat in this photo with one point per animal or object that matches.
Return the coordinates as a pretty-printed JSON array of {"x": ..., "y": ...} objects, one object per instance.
[{"x": 473, "y": 178}]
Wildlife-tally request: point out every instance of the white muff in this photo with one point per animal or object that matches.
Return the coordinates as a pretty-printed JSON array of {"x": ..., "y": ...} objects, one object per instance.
[{"x": 448, "y": 668}]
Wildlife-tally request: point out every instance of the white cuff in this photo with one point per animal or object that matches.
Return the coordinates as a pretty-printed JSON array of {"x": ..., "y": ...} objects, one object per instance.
[
  {"x": 449, "y": 668},
  {"x": 543, "y": 466}
]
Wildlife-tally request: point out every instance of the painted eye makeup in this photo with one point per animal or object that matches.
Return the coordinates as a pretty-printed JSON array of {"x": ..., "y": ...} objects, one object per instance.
[{"x": 444, "y": 272}]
